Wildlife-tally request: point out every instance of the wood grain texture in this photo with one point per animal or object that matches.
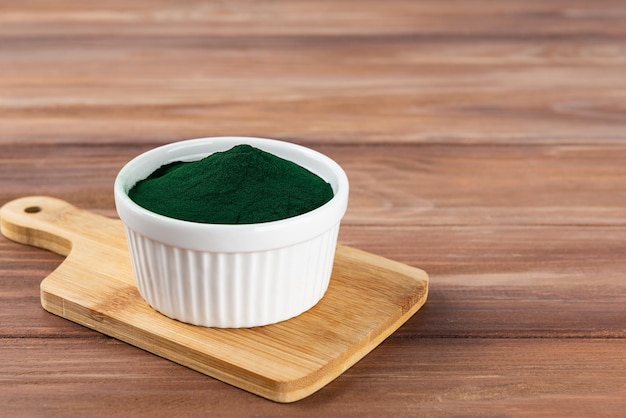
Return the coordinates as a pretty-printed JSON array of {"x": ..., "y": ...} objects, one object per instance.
[
  {"x": 485, "y": 143},
  {"x": 402, "y": 72}
]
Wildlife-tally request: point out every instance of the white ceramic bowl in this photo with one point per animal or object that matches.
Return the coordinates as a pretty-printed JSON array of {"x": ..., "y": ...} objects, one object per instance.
[{"x": 231, "y": 276}]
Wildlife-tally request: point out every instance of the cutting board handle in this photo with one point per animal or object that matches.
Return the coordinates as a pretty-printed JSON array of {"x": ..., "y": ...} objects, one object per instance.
[{"x": 50, "y": 223}]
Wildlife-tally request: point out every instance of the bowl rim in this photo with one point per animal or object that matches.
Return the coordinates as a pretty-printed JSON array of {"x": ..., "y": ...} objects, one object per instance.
[{"x": 230, "y": 237}]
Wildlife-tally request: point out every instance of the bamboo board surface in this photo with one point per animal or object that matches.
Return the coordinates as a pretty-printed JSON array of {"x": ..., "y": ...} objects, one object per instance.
[{"x": 368, "y": 298}]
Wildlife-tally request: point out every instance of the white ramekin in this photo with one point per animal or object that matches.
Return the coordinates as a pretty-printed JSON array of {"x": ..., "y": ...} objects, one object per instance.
[{"x": 231, "y": 276}]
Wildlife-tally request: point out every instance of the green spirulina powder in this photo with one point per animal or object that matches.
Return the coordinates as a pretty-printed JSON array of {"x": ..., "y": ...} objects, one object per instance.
[{"x": 243, "y": 185}]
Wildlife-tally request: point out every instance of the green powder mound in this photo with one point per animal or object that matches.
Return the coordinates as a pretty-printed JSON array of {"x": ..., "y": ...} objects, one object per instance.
[{"x": 240, "y": 186}]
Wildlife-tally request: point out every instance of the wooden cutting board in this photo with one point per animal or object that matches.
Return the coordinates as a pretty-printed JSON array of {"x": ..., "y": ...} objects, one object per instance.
[{"x": 369, "y": 297}]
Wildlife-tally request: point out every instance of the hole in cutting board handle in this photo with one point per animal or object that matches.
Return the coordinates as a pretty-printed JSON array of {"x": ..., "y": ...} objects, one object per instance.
[{"x": 32, "y": 209}]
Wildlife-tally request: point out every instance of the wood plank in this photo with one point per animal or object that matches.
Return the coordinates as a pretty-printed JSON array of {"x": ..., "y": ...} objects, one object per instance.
[
  {"x": 413, "y": 110},
  {"x": 298, "y": 17},
  {"x": 409, "y": 185},
  {"x": 511, "y": 281},
  {"x": 406, "y": 376},
  {"x": 396, "y": 73}
]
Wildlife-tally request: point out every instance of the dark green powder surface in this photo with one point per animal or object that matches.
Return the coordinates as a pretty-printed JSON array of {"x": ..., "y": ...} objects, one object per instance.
[{"x": 240, "y": 186}]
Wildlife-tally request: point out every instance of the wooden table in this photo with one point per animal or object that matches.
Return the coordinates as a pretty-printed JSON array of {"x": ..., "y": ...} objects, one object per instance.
[{"x": 485, "y": 143}]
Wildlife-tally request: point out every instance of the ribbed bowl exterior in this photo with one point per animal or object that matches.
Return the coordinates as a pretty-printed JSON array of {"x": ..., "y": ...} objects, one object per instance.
[
  {"x": 231, "y": 276},
  {"x": 232, "y": 289}
]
